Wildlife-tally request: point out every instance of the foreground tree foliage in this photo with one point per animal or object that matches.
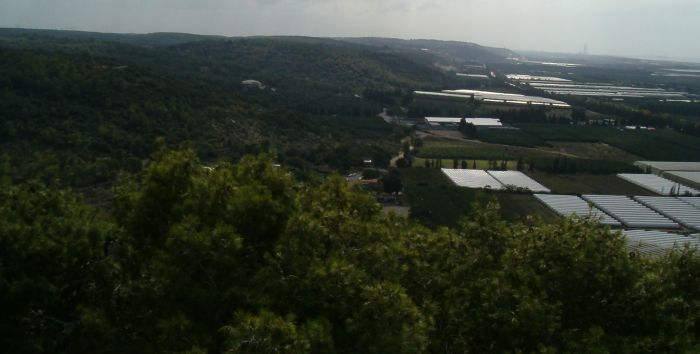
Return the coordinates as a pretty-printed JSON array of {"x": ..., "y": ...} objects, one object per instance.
[{"x": 241, "y": 259}]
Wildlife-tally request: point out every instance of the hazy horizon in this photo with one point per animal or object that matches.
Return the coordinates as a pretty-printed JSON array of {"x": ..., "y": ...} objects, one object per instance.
[{"x": 643, "y": 29}]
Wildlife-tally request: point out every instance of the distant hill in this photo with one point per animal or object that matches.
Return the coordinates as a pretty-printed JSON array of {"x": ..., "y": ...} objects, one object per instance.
[
  {"x": 309, "y": 74},
  {"x": 148, "y": 39},
  {"x": 308, "y": 71},
  {"x": 461, "y": 52}
]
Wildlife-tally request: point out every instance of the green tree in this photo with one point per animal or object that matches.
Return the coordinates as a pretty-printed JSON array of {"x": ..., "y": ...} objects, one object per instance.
[
  {"x": 240, "y": 258},
  {"x": 194, "y": 238},
  {"x": 392, "y": 182},
  {"x": 269, "y": 333},
  {"x": 468, "y": 129},
  {"x": 56, "y": 264}
]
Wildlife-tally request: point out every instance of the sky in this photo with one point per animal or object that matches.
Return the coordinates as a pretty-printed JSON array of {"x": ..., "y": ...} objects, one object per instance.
[{"x": 635, "y": 28}]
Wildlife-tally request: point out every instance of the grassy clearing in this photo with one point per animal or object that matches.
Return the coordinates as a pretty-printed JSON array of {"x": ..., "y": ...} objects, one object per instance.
[{"x": 588, "y": 184}]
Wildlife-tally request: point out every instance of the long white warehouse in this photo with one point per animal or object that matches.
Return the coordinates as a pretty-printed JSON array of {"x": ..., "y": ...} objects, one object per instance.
[
  {"x": 490, "y": 96},
  {"x": 658, "y": 184},
  {"x": 525, "y": 77},
  {"x": 630, "y": 212},
  {"x": 518, "y": 179},
  {"x": 570, "y": 205},
  {"x": 690, "y": 178},
  {"x": 494, "y": 97},
  {"x": 663, "y": 166},
  {"x": 472, "y": 178},
  {"x": 478, "y": 122}
]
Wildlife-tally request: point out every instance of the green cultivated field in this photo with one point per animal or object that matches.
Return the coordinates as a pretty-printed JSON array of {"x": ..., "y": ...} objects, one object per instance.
[
  {"x": 664, "y": 144},
  {"x": 592, "y": 151},
  {"x": 436, "y": 201},
  {"x": 449, "y": 149},
  {"x": 510, "y": 137},
  {"x": 542, "y": 160}
]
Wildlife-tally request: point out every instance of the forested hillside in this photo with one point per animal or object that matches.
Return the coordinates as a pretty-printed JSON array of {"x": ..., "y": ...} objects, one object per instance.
[
  {"x": 240, "y": 259},
  {"x": 309, "y": 74},
  {"x": 81, "y": 110},
  {"x": 82, "y": 118}
]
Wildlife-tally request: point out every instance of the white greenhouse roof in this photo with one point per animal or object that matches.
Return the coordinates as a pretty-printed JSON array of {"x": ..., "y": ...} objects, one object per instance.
[
  {"x": 670, "y": 165},
  {"x": 521, "y": 77},
  {"x": 475, "y": 76},
  {"x": 657, "y": 243},
  {"x": 675, "y": 209},
  {"x": 569, "y": 205},
  {"x": 443, "y": 120},
  {"x": 495, "y": 97},
  {"x": 489, "y": 96},
  {"x": 630, "y": 212},
  {"x": 658, "y": 184},
  {"x": 519, "y": 180},
  {"x": 484, "y": 122},
  {"x": 472, "y": 178},
  {"x": 441, "y": 94},
  {"x": 692, "y": 176},
  {"x": 479, "y": 122},
  {"x": 691, "y": 200}
]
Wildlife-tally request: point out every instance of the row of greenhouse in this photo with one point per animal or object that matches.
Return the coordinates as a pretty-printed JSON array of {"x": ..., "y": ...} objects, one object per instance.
[{"x": 652, "y": 224}]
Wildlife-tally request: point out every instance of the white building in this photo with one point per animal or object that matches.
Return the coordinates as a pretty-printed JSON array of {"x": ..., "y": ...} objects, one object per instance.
[{"x": 447, "y": 122}]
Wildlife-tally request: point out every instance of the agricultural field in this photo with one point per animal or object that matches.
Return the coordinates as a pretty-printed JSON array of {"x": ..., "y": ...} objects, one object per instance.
[
  {"x": 588, "y": 184},
  {"x": 662, "y": 145},
  {"x": 435, "y": 201},
  {"x": 594, "y": 151},
  {"x": 468, "y": 149},
  {"x": 510, "y": 137},
  {"x": 537, "y": 159}
]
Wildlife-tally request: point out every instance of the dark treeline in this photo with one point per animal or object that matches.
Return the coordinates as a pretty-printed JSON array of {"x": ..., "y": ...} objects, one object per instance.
[
  {"x": 681, "y": 116},
  {"x": 573, "y": 166},
  {"x": 241, "y": 259}
]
